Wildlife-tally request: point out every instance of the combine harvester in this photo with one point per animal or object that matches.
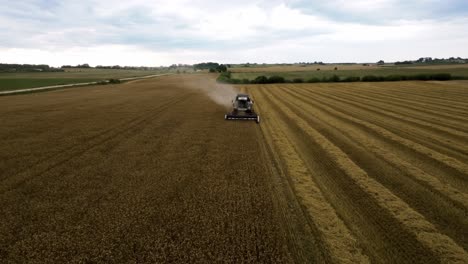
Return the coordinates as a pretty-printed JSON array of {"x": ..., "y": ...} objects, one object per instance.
[{"x": 242, "y": 109}]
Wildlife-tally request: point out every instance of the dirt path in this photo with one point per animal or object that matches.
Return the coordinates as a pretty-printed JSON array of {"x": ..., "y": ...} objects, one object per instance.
[{"x": 55, "y": 87}]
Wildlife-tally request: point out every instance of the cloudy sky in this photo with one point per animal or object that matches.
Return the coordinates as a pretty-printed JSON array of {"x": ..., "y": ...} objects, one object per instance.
[{"x": 157, "y": 32}]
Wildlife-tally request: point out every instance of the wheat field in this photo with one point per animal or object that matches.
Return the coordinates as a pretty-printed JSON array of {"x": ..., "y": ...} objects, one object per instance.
[{"x": 149, "y": 171}]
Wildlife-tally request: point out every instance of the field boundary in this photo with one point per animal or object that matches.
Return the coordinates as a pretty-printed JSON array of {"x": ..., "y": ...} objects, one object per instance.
[{"x": 55, "y": 87}]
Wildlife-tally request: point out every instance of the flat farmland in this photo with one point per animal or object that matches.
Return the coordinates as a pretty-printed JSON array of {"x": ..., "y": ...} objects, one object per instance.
[
  {"x": 380, "y": 169},
  {"x": 149, "y": 172},
  {"x": 306, "y": 73},
  {"x": 301, "y": 68},
  {"x": 22, "y": 80}
]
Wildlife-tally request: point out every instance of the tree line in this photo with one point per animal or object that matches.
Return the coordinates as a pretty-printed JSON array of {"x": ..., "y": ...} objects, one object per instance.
[
  {"x": 4, "y": 67},
  {"x": 226, "y": 77},
  {"x": 211, "y": 66},
  {"x": 429, "y": 60}
]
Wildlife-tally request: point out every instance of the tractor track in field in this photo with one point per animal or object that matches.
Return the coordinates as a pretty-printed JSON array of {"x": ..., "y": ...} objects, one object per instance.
[
  {"x": 417, "y": 173},
  {"x": 364, "y": 214},
  {"x": 342, "y": 244},
  {"x": 418, "y": 110},
  {"x": 415, "y": 117},
  {"x": 371, "y": 107},
  {"x": 415, "y": 132},
  {"x": 411, "y": 109},
  {"x": 372, "y": 146},
  {"x": 453, "y": 168},
  {"x": 347, "y": 147},
  {"x": 375, "y": 148},
  {"x": 305, "y": 248},
  {"x": 433, "y": 100},
  {"x": 405, "y": 91},
  {"x": 437, "y": 92},
  {"x": 376, "y": 163},
  {"x": 446, "y": 106}
]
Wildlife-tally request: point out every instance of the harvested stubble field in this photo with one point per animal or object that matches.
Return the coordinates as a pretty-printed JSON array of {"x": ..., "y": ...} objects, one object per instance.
[
  {"x": 148, "y": 171},
  {"x": 380, "y": 169}
]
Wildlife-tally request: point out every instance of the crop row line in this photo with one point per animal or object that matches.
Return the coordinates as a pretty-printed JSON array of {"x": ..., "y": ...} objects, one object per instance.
[
  {"x": 423, "y": 230},
  {"x": 339, "y": 240},
  {"x": 374, "y": 146},
  {"x": 417, "y": 131},
  {"x": 461, "y": 167}
]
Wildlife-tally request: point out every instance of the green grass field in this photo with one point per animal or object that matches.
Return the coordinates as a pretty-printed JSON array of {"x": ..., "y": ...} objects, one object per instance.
[
  {"x": 23, "y": 80},
  {"x": 24, "y": 83},
  {"x": 462, "y": 71}
]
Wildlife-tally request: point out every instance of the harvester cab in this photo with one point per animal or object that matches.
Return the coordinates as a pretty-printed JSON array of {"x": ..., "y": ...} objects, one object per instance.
[{"x": 242, "y": 109}]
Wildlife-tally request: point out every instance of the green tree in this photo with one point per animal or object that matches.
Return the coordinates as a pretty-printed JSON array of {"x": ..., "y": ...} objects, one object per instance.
[
  {"x": 261, "y": 80},
  {"x": 221, "y": 68},
  {"x": 276, "y": 79}
]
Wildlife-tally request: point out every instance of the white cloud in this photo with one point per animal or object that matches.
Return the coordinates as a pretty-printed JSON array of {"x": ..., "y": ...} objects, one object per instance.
[
  {"x": 102, "y": 55},
  {"x": 159, "y": 32},
  {"x": 363, "y": 5}
]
